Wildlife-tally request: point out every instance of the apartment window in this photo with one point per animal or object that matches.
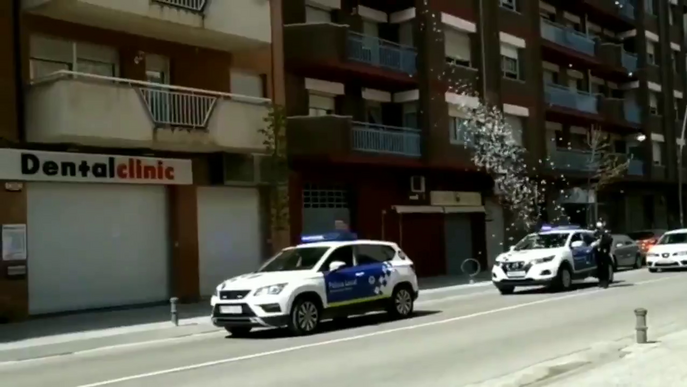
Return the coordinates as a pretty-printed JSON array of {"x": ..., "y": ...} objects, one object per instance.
[
  {"x": 317, "y": 15},
  {"x": 373, "y": 110},
  {"x": 516, "y": 125},
  {"x": 670, "y": 14},
  {"x": 509, "y": 4},
  {"x": 653, "y": 103},
  {"x": 457, "y": 47},
  {"x": 370, "y": 28},
  {"x": 651, "y": 53},
  {"x": 459, "y": 129},
  {"x": 599, "y": 88},
  {"x": 321, "y": 104},
  {"x": 48, "y": 55},
  {"x": 550, "y": 77},
  {"x": 658, "y": 152},
  {"x": 649, "y": 7},
  {"x": 620, "y": 146},
  {"x": 677, "y": 102},
  {"x": 246, "y": 83},
  {"x": 410, "y": 119},
  {"x": 676, "y": 58},
  {"x": 405, "y": 33},
  {"x": 510, "y": 66}
]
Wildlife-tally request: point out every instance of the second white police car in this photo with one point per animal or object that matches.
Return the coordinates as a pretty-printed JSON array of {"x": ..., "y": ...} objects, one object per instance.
[
  {"x": 327, "y": 276},
  {"x": 670, "y": 252},
  {"x": 553, "y": 257}
]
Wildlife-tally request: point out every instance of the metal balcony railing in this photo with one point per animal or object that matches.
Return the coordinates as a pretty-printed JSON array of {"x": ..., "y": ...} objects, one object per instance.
[
  {"x": 177, "y": 109},
  {"x": 629, "y": 61},
  {"x": 167, "y": 105},
  {"x": 386, "y": 139},
  {"x": 636, "y": 168},
  {"x": 632, "y": 112},
  {"x": 574, "y": 160},
  {"x": 381, "y": 53},
  {"x": 190, "y": 5},
  {"x": 567, "y": 37},
  {"x": 571, "y": 99}
]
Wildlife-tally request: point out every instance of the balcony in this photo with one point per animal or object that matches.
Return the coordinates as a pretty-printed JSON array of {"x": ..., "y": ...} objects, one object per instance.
[
  {"x": 69, "y": 107},
  {"x": 564, "y": 97},
  {"x": 573, "y": 160},
  {"x": 636, "y": 168},
  {"x": 338, "y": 136},
  {"x": 629, "y": 61},
  {"x": 336, "y": 53},
  {"x": 222, "y": 25},
  {"x": 633, "y": 113},
  {"x": 567, "y": 37}
]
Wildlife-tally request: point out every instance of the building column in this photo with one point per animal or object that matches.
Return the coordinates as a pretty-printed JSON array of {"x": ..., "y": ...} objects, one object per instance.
[
  {"x": 14, "y": 290},
  {"x": 184, "y": 235}
]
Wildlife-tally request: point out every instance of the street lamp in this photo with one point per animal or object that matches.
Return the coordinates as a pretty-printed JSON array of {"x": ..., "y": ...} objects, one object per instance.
[{"x": 681, "y": 144}]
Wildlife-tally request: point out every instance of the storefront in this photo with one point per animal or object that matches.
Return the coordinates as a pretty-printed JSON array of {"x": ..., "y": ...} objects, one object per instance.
[{"x": 97, "y": 228}]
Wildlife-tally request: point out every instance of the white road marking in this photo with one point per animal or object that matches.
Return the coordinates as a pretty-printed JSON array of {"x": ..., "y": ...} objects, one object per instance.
[{"x": 353, "y": 338}]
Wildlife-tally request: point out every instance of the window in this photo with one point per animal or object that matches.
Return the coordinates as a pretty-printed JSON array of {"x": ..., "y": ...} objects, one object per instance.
[
  {"x": 620, "y": 146},
  {"x": 302, "y": 258},
  {"x": 673, "y": 238},
  {"x": 675, "y": 55},
  {"x": 653, "y": 103},
  {"x": 677, "y": 102},
  {"x": 405, "y": 33},
  {"x": 48, "y": 55},
  {"x": 459, "y": 130},
  {"x": 651, "y": 53},
  {"x": 588, "y": 238},
  {"x": 321, "y": 105},
  {"x": 457, "y": 47},
  {"x": 410, "y": 115},
  {"x": 649, "y": 7},
  {"x": 509, "y": 61},
  {"x": 542, "y": 241},
  {"x": 657, "y": 151},
  {"x": 368, "y": 254},
  {"x": 670, "y": 14},
  {"x": 373, "y": 110},
  {"x": 509, "y": 4},
  {"x": 343, "y": 254},
  {"x": 317, "y": 15},
  {"x": 370, "y": 28},
  {"x": 515, "y": 124},
  {"x": 245, "y": 83},
  {"x": 550, "y": 77}
]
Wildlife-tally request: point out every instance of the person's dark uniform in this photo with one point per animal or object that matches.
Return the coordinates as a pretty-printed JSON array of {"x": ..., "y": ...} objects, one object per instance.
[{"x": 602, "y": 255}]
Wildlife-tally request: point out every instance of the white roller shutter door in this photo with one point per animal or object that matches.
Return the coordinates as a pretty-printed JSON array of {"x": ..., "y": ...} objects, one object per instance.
[
  {"x": 93, "y": 246},
  {"x": 229, "y": 237}
]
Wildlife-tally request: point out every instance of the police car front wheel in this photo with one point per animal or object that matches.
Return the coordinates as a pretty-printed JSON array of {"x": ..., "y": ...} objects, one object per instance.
[
  {"x": 402, "y": 303},
  {"x": 305, "y": 316}
]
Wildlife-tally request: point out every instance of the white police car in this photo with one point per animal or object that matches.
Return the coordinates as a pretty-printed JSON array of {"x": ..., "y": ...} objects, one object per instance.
[
  {"x": 553, "y": 257},
  {"x": 327, "y": 276},
  {"x": 670, "y": 252}
]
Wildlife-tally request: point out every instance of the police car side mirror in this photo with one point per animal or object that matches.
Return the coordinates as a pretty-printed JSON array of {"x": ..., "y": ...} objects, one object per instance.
[
  {"x": 336, "y": 265},
  {"x": 512, "y": 248},
  {"x": 577, "y": 244}
]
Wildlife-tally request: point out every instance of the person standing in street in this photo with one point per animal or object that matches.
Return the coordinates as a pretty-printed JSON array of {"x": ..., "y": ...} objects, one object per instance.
[{"x": 602, "y": 254}]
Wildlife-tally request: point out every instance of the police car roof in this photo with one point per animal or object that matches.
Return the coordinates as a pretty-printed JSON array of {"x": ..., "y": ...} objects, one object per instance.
[
  {"x": 563, "y": 231},
  {"x": 345, "y": 243}
]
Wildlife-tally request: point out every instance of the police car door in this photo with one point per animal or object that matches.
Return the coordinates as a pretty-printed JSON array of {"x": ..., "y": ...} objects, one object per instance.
[
  {"x": 582, "y": 256},
  {"x": 374, "y": 260},
  {"x": 343, "y": 285}
]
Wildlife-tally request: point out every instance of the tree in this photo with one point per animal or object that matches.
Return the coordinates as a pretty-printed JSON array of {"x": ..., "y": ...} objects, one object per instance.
[
  {"x": 604, "y": 166},
  {"x": 276, "y": 171}
]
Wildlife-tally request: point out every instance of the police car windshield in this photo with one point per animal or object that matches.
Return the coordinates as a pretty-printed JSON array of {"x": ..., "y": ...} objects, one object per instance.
[
  {"x": 301, "y": 258},
  {"x": 672, "y": 239},
  {"x": 542, "y": 241}
]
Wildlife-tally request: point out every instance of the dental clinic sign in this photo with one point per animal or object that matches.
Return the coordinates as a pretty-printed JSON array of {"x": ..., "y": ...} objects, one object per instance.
[{"x": 27, "y": 165}]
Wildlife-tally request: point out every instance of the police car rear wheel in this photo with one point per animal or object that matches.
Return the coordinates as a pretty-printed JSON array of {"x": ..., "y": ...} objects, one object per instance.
[
  {"x": 403, "y": 303},
  {"x": 305, "y": 317}
]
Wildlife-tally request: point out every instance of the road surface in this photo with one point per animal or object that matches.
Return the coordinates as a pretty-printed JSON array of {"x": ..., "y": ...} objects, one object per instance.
[{"x": 458, "y": 339}]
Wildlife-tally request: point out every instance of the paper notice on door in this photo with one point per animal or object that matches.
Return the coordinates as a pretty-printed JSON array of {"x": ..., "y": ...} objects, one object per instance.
[{"x": 13, "y": 242}]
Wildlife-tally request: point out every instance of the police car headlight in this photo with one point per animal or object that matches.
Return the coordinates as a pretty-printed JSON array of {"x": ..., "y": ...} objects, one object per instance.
[
  {"x": 652, "y": 255},
  {"x": 270, "y": 290},
  {"x": 543, "y": 260},
  {"x": 219, "y": 288},
  {"x": 681, "y": 253}
]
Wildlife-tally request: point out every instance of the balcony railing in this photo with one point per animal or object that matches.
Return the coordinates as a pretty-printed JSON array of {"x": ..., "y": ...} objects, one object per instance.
[
  {"x": 191, "y": 5},
  {"x": 627, "y": 9},
  {"x": 381, "y": 53},
  {"x": 636, "y": 168},
  {"x": 573, "y": 160},
  {"x": 567, "y": 37},
  {"x": 629, "y": 61},
  {"x": 632, "y": 112},
  {"x": 169, "y": 108},
  {"x": 386, "y": 139},
  {"x": 571, "y": 99}
]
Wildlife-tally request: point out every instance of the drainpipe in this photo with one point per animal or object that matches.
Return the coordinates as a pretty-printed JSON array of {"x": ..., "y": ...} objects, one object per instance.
[
  {"x": 484, "y": 54},
  {"x": 17, "y": 51}
]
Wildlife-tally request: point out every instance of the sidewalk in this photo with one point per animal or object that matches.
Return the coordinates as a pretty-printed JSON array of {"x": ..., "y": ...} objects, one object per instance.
[{"x": 659, "y": 364}]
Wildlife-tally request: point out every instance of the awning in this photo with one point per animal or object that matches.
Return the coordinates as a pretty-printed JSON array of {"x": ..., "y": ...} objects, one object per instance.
[{"x": 438, "y": 209}]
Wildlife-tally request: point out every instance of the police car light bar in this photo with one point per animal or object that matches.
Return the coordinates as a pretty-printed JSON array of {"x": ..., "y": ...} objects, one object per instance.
[
  {"x": 340, "y": 236},
  {"x": 548, "y": 227}
]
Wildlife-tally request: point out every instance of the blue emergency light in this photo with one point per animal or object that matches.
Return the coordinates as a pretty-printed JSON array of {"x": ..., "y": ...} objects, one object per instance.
[
  {"x": 548, "y": 227},
  {"x": 338, "y": 236}
]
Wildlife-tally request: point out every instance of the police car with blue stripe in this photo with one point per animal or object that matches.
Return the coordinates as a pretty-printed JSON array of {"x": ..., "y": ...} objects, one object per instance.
[
  {"x": 553, "y": 257},
  {"x": 329, "y": 276}
]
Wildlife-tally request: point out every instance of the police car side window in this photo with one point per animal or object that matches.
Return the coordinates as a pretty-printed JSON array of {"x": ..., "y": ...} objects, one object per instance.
[
  {"x": 367, "y": 254},
  {"x": 343, "y": 254},
  {"x": 575, "y": 237},
  {"x": 588, "y": 239}
]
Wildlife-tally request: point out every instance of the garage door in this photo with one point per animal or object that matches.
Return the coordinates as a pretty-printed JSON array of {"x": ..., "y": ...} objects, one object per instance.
[
  {"x": 94, "y": 246},
  {"x": 229, "y": 237}
]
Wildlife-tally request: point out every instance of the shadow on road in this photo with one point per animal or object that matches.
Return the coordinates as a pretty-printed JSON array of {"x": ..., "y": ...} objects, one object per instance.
[
  {"x": 332, "y": 326},
  {"x": 578, "y": 286}
]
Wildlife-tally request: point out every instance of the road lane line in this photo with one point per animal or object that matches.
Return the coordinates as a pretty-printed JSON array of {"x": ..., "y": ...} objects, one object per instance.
[{"x": 353, "y": 338}]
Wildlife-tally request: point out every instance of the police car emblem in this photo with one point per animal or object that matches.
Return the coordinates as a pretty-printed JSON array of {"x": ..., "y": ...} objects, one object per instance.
[{"x": 371, "y": 280}]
